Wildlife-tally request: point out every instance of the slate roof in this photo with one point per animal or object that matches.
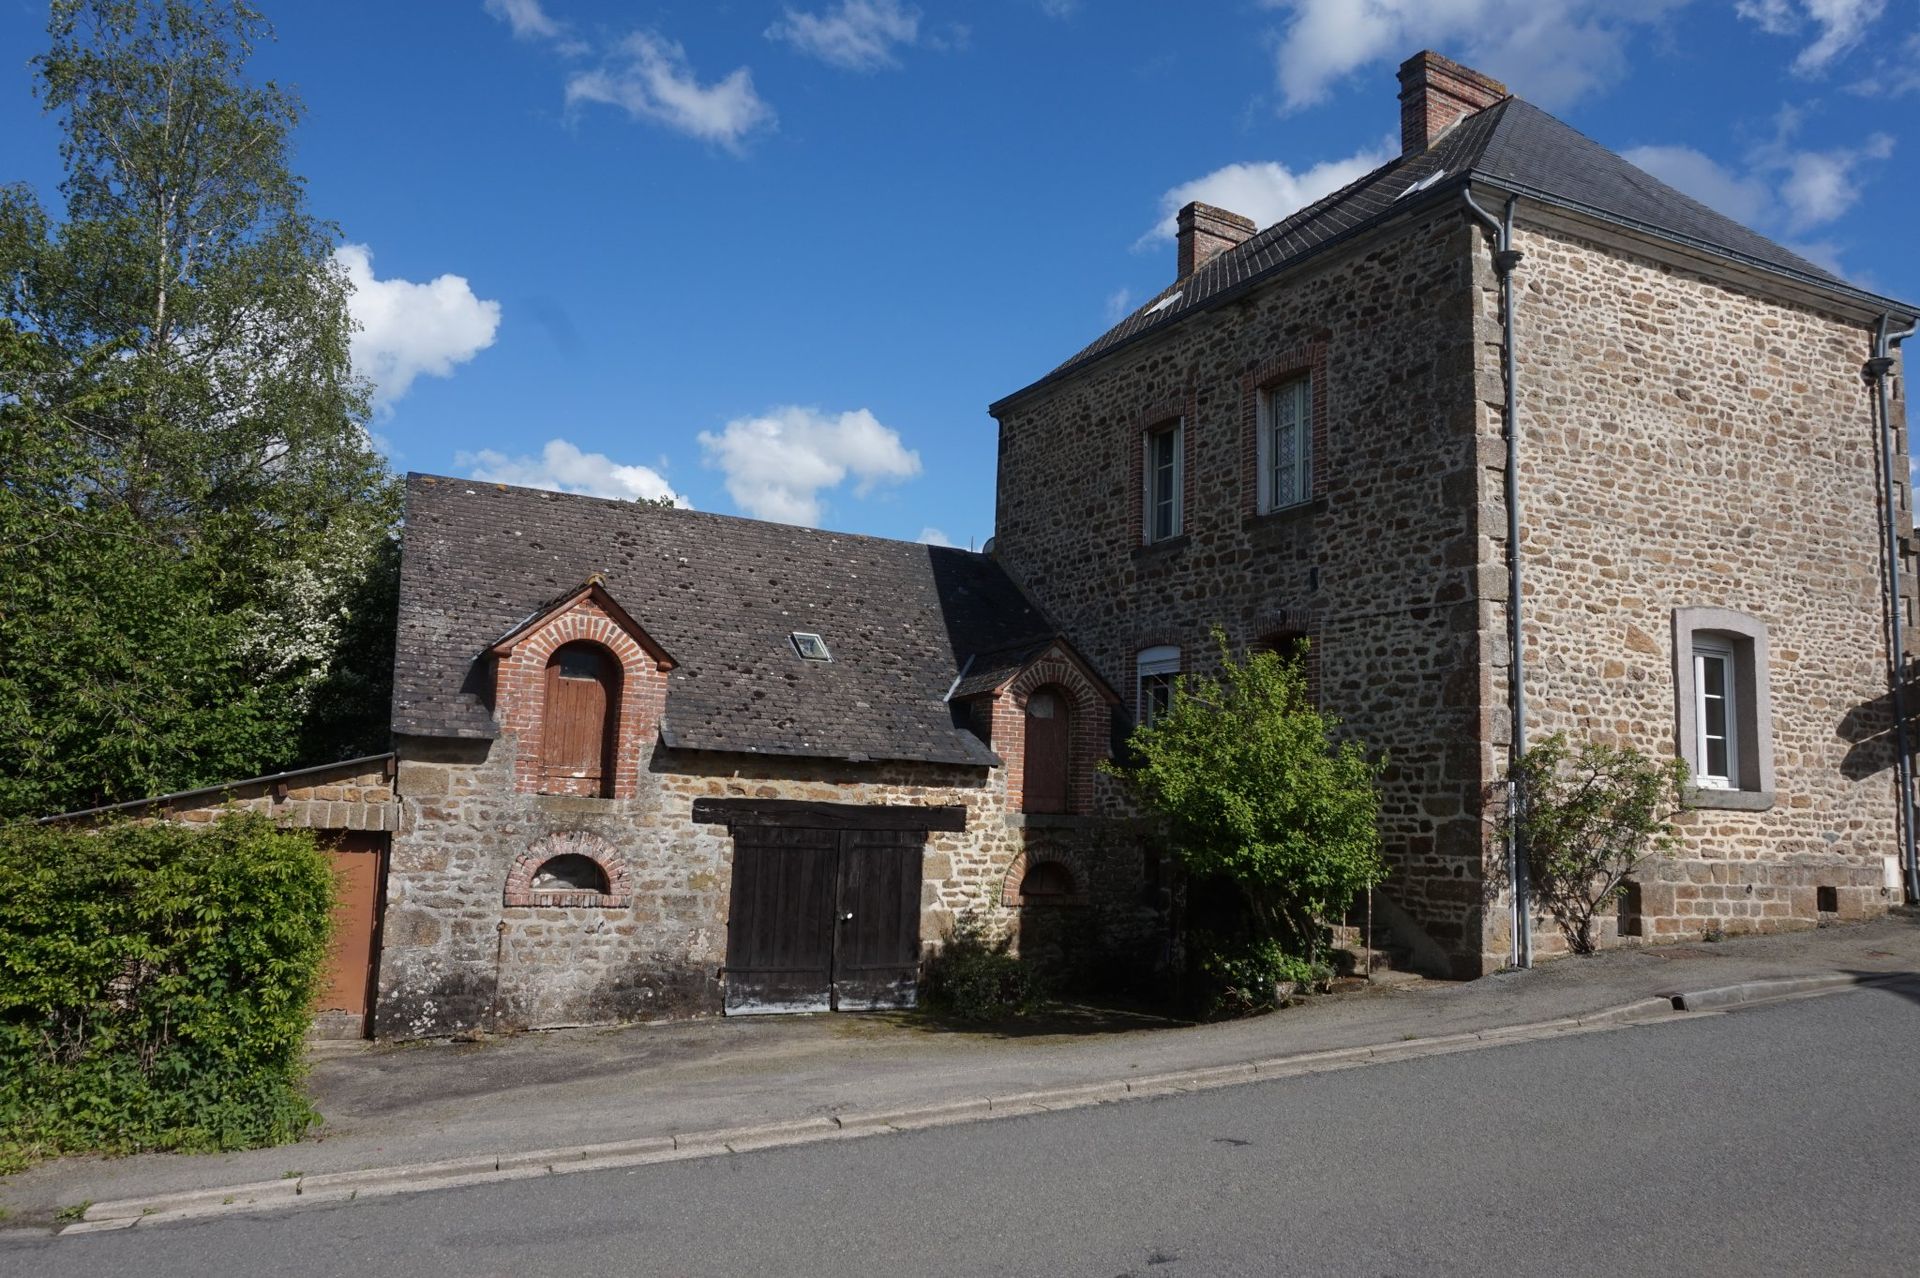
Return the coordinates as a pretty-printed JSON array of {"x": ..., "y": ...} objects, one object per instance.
[
  {"x": 1512, "y": 144},
  {"x": 722, "y": 595}
]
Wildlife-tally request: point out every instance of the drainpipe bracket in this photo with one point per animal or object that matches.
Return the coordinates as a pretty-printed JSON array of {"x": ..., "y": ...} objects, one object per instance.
[
  {"x": 1506, "y": 259},
  {"x": 1878, "y": 367}
]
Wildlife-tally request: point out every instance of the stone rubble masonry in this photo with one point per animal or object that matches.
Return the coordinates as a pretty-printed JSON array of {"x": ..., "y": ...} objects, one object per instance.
[
  {"x": 459, "y": 954},
  {"x": 1687, "y": 444},
  {"x": 1684, "y": 444},
  {"x": 1383, "y": 569},
  {"x": 353, "y": 797},
  {"x": 520, "y": 682}
]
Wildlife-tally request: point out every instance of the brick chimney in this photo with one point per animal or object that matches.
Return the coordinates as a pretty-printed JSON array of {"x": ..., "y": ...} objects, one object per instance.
[
  {"x": 1206, "y": 233},
  {"x": 1435, "y": 93}
]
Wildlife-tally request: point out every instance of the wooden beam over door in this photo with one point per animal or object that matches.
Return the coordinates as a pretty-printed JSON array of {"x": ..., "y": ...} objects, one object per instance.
[{"x": 829, "y": 816}]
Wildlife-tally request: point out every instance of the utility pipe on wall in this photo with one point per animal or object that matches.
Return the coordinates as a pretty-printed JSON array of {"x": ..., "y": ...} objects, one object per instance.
[
  {"x": 1505, "y": 258},
  {"x": 1881, "y": 364}
]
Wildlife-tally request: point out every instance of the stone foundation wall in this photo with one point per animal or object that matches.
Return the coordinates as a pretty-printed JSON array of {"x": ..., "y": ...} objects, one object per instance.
[
  {"x": 1689, "y": 445},
  {"x": 457, "y": 957}
]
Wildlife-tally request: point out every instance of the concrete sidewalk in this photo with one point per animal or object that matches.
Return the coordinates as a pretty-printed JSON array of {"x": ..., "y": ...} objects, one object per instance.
[{"x": 439, "y": 1102}]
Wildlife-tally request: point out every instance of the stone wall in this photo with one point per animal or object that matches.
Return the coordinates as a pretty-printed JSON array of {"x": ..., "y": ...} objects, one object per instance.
[
  {"x": 1686, "y": 444},
  {"x": 457, "y": 957},
  {"x": 357, "y": 795},
  {"x": 1383, "y": 567}
]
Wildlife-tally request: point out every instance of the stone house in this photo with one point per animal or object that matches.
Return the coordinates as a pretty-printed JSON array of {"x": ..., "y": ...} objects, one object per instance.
[
  {"x": 1305, "y": 435},
  {"x": 656, "y": 762}
]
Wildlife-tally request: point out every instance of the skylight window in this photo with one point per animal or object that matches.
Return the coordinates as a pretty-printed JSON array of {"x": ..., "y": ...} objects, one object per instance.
[
  {"x": 811, "y": 646},
  {"x": 1422, "y": 184},
  {"x": 1164, "y": 303}
]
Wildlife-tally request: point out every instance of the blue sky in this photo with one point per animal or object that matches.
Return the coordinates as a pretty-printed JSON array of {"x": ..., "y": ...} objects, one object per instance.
[{"x": 778, "y": 258}]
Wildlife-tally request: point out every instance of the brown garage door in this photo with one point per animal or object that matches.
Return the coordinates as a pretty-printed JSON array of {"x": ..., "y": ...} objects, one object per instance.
[{"x": 823, "y": 919}]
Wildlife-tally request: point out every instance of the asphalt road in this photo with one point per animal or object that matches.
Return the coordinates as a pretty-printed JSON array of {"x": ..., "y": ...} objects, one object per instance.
[{"x": 1776, "y": 1139}]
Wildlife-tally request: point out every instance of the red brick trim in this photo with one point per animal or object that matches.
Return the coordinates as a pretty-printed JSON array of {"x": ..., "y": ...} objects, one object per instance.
[
  {"x": 1310, "y": 358},
  {"x": 1056, "y": 667},
  {"x": 1039, "y": 854},
  {"x": 1299, "y": 621},
  {"x": 1154, "y": 419},
  {"x": 521, "y": 892},
  {"x": 521, "y": 692}
]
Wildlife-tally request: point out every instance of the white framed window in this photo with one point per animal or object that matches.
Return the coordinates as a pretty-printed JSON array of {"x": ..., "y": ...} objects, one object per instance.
[
  {"x": 1725, "y": 711},
  {"x": 1157, "y": 668},
  {"x": 1286, "y": 444},
  {"x": 1717, "y": 742},
  {"x": 1165, "y": 470}
]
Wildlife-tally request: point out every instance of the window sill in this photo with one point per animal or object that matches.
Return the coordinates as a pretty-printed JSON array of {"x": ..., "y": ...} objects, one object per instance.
[
  {"x": 1157, "y": 549},
  {"x": 1727, "y": 800},
  {"x": 1286, "y": 514}
]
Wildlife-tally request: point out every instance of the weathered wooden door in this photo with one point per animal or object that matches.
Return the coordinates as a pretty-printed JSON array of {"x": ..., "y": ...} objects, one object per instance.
[
  {"x": 780, "y": 927},
  {"x": 876, "y": 960},
  {"x": 575, "y": 723},
  {"x": 359, "y": 860},
  {"x": 1044, "y": 784},
  {"x": 823, "y": 920}
]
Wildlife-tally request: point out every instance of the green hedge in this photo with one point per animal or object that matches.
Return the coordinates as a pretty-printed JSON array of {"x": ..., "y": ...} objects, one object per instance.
[{"x": 156, "y": 985}]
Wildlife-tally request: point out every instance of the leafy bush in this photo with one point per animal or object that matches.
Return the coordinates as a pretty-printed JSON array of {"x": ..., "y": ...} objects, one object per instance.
[
  {"x": 1256, "y": 794},
  {"x": 975, "y": 977},
  {"x": 1587, "y": 819},
  {"x": 1241, "y": 976},
  {"x": 156, "y": 985}
]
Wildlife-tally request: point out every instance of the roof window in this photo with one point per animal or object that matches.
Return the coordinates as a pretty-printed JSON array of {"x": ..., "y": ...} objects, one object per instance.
[
  {"x": 1423, "y": 183},
  {"x": 811, "y": 646}
]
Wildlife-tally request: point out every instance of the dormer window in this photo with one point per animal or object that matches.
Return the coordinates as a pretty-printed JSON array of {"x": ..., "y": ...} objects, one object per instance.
[{"x": 811, "y": 646}]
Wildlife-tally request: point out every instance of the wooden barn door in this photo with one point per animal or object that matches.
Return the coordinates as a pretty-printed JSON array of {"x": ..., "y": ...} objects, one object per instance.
[
  {"x": 876, "y": 959},
  {"x": 823, "y": 920},
  {"x": 580, "y": 681},
  {"x": 780, "y": 927}
]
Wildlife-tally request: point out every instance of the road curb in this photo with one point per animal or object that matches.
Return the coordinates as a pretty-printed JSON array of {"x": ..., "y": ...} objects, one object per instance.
[
  {"x": 1725, "y": 996},
  {"x": 334, "y": 1187}
]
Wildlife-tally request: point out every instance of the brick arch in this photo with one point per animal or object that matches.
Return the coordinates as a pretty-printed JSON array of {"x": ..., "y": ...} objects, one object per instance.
[
  {"x": 588, "y": 616},
  {"x": 1041, "y": 854},
  {"x": 520, "y": 889},
  {"x": 1088, "y": 743}
]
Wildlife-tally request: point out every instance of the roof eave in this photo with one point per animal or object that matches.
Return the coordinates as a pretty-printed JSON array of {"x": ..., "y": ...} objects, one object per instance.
[
  {"x": 1403, "y": 209},
  {"x": 1851, "y": 301}
]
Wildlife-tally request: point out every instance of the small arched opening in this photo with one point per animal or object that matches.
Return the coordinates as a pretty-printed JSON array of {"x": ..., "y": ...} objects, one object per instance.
[
  {"x": 579, "y": 739},
  {"x": 570, "y": 872}
]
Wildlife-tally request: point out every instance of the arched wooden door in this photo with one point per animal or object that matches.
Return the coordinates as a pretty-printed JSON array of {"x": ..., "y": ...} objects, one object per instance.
[
  {"x": 582, "y": 691},
  {"x": 1049, "y": 732}
]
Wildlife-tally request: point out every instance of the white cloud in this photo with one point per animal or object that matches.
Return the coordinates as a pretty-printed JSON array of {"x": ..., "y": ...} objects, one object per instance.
[
  {"x": 1893, "y": 73},
  {"x": 860, "y": 35},
  {"x": 1059, "y": 8},
  {"x": 1840, "y": 25},
  {"x": 1265, "y": 192},
  {"x": 1553, "y": 51},
  {"x": 408, "y": 329},
  {"x": 1745, "y": 198},
  {"x": 932, "y": 536},
  {"x": 649, "y": 78},
  {"x": 528, "y": 20},
  {"x": 778, "y": 464},
  {"x": 562, "y": 468},
  {"x": 1782, "y": 188},
  {"x": 1119, "y": 305}
]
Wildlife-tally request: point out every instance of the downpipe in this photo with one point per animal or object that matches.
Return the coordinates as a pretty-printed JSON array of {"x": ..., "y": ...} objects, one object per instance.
[
  {"x": 1876, "y": 371},
  {"x": 1505, "y": 258}
]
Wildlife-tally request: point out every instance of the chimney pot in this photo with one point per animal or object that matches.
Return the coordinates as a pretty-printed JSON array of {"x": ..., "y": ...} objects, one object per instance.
[
  {"x": 1435, "y": 94},
  {"x": 1206, "y": 232}
]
